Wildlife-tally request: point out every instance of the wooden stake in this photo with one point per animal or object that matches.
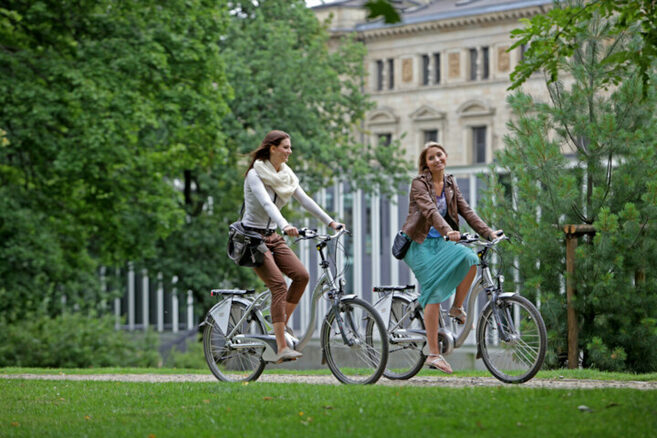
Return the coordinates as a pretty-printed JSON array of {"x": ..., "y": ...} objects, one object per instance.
[{"x": 573, "y": 333}]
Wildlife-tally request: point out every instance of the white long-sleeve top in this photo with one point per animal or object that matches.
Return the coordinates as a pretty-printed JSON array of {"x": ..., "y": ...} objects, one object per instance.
[{"x": 259, "y": 205}]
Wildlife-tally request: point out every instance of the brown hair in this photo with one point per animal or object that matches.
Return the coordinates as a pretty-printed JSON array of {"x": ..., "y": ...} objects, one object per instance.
[
  {"x": 422, "y": 164},
  {"x": 273, "y": 138}
]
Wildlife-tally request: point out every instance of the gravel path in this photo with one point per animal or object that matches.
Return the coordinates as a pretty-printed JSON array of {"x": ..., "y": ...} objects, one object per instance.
[{"x": 330, "y": 380}]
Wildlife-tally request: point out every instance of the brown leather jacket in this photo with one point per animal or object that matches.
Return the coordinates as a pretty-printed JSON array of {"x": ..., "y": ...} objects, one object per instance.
[{"x": 423, "y": 212}]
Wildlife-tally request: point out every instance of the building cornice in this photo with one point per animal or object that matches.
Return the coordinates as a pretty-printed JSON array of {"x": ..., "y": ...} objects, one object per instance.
[{"x": 451, "y": 23}]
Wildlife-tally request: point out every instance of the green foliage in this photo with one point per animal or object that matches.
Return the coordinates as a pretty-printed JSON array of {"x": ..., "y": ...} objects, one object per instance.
[
  {"x": 284, "y": 76},
  {"x": 555, "y": 35},
  {"x": 124, "y": 128},
  {"x": 609, "y": 182},
  {"x": 191, "y": 358},
  {"x": 103, "y": 105},
  {"x": 382, "y": 8},
  {"x": 74, "y": 340}
]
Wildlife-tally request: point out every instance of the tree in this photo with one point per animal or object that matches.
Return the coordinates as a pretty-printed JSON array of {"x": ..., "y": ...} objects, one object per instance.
[
  {"x": 556, "y": 34},
  {"x": 104, "y": 105},
  {"x": 384, "y": 9},
  {"x": 284, "y": 76},
  {"x": 609, "y": 182}
]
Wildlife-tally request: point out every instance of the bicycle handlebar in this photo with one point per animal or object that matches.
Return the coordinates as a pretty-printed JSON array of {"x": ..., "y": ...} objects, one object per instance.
[
  {"x": 467, "y": 238},
  {"x": 311, "y": 233}
]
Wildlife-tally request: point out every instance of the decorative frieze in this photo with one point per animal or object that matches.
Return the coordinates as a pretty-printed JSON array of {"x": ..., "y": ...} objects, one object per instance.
[
  {"x": 432, "y": 26},
  {"x": 503, "y": 59},
  {"x": 407, "y": 70},
  {"x": 454, "y": 65}
]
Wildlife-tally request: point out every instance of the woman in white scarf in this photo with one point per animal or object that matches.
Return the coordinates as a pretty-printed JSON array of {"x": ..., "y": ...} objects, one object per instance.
[{"x": 268, "y": 186}]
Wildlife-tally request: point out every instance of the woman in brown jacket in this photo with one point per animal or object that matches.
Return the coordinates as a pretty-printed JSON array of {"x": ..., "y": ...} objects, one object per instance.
[{"x": 439, "y": 265}]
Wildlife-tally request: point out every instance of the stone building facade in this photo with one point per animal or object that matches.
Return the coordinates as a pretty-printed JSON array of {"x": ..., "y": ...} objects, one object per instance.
[{"x": 442, "y": 73}]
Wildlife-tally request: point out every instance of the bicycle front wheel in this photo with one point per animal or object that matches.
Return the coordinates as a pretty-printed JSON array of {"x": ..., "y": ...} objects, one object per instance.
[
  {"x": 519, "y": 358},
  {"x": 227, "y": 360},
  {"x": 405, "y": 357},
  {"x": 355, "y": 342}
]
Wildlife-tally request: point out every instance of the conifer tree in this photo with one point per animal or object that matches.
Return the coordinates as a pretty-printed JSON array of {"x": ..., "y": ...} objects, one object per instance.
[{"x": 587, "y": 157}]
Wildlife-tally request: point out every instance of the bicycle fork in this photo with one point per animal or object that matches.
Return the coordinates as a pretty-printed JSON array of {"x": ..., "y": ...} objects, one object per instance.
[
  {"x": 504, "y": 335},
  {"x": 348, "y": 340}
]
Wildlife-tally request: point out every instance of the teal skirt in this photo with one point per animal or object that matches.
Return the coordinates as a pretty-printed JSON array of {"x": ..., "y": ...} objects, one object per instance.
[{"x": 439, "y": 267}]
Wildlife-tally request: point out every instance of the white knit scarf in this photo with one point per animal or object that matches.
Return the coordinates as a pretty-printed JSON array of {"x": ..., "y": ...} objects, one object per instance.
[{"x": 284, "y": 182}]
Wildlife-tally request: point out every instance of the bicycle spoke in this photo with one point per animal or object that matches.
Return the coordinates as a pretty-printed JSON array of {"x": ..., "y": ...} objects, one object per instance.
[
  {"x": 364, "y": 360},
  {"x": 520, "y": 358},
  {"x": 406, "y": 359},
  {"x": 233, "y": 364}
]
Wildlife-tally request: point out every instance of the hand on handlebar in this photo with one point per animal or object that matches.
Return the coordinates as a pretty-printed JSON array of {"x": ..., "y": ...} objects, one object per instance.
[
  {"x": 337, "y": 226},
  {"x": 291, "y": 231},
  {"x": 454, "y": 236}
]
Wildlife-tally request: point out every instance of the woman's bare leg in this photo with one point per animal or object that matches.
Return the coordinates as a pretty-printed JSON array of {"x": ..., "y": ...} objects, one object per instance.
[
  {"x": 279, "y": 332},
  {"x": 431, "y": 312},
  {"x": 289, "y": 308},
  {"x": 463, "y": 288}
]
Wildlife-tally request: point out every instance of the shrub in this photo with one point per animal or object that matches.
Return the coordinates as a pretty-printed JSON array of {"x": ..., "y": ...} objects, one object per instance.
[
  {"x": 193, "y": 358},
  {"x": 73, "y": 340}
]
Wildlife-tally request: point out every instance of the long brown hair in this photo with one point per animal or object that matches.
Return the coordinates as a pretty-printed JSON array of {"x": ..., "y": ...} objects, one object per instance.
[
  {"x": 422, "y": 164},
  {"x": 273, "y": 138}
]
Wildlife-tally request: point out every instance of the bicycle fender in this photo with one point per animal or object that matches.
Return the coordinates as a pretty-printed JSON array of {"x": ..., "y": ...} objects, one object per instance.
[
  {"x": 220, "y": 312},
  {"x": 507, "y": 294},
  {"x": 384, "y": 307},
  {"x": 256, "y": 312},
  {"x": 348, "y": 297}
]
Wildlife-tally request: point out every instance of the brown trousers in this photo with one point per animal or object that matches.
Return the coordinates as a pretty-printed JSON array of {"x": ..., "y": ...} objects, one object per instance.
[{"x": 278, "y": 261}]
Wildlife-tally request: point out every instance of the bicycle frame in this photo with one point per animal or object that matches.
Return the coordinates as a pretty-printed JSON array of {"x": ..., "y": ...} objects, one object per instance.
[
  {"x": 483, "y": 282},
  {"x": 325, "y": 285}
]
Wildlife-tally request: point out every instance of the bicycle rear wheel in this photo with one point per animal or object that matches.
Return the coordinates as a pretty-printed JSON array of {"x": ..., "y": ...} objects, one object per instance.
[
  {"x": 358, "y": 352},
  {"x": 228, "y": 361},
  {"x": 518, "y": 359},
  {"x": 405, "y": 358}
]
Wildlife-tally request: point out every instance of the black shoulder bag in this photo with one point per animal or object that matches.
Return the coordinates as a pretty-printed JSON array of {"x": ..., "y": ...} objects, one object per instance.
[
  {"x": 400, "y": 245},
  {"x": 246, "y": 248}
]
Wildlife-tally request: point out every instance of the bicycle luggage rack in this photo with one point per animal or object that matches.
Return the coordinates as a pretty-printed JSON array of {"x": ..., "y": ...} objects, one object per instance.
[{"x": 215, "y": 292}]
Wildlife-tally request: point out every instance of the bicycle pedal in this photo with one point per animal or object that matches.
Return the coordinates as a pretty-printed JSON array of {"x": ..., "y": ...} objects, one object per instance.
[{"x": 292, "y": 359}]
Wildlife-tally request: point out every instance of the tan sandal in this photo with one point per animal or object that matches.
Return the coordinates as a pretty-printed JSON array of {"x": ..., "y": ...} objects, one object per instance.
[
  {"x": 458, "y": 313},
  {"x": 438, "y": 362}
]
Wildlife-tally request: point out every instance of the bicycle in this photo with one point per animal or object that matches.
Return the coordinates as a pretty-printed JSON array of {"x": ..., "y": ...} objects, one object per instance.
[
  {"x": 238, "y": 340},
  {"x": 511, "y": 337}
]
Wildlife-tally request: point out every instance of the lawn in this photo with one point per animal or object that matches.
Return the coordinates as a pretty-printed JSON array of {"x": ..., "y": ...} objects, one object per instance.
[
  {"x": 67, "y": 408},
  {"x": 549, "y": 374}
]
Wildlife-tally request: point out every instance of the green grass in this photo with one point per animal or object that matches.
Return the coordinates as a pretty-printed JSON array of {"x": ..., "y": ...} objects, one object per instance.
[
  {"x": 116, "y": 409},
  {"x": 550, "y": 374},
  {"x": 17, "y": 370}
]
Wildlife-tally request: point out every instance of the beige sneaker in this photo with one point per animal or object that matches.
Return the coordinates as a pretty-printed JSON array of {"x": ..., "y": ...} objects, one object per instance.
[{"x": 287, "y": 354}]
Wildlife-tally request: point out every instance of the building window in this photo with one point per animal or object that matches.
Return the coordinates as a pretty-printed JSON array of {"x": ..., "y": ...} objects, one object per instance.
[
  {"x": 479, "y": 144},
  {"x": 425, "y": 69},
  {"x": 473, "y": 64},
  {"x": 384, "y": 139},
  {"x": 430, "y": 135},
  {"x": 379, "y": 75},
  {"x": 436, "y": 68},
  {"x": 486, "y": 64},
  {"x": 391, "y": 74},
  {"x": 431, "y": 73}
]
